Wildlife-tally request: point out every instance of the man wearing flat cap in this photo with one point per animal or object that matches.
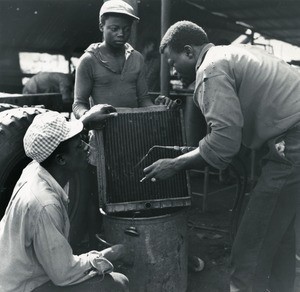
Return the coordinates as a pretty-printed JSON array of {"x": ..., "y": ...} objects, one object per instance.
[{"x": 34, "y": 249}]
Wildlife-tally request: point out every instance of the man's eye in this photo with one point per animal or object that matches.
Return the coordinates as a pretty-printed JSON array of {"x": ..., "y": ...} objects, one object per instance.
[
  {"x": 83, "y": 145},
  {"x": 171, "y": 63},
  {"x": 80, "y": 145}
]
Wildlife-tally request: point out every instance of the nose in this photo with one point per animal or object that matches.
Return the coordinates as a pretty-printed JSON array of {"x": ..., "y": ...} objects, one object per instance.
[
  {"x": 173, "y": 71},
  {"x": 85, "y": 146},
  {"x": 120, "y": 32}
]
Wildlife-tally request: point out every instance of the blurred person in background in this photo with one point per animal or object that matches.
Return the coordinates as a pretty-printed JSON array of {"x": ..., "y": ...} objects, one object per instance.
[
  {"x": 152, "y": 62},
  {"x": 52, "y": 82}
]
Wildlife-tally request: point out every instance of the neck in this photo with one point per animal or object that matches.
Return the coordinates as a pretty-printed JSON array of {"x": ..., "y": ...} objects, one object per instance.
[
  {"x": 198, "y": 50},
  {"x": 113, "y": 51},
  {"x": 59, "y": 175}
]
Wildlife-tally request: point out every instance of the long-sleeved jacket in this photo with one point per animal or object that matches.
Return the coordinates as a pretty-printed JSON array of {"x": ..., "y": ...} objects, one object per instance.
[{"x": 247, "y": 97}]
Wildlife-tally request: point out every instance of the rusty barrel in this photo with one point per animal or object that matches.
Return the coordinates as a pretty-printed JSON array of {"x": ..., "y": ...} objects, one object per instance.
[{"x": 159, "y": 242}]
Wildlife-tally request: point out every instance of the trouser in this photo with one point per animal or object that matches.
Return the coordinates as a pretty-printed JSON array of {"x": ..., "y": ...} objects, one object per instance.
[
  {"x": 297, "y": 228},
  {"x": 115, "y": 282},
  {"x": 263, "y": 252}
]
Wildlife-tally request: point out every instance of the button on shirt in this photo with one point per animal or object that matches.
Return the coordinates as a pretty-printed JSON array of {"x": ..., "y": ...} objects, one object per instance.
[
  {"x": 33, "y": 236},
  {"x": 97, "y": 79},
  {"x": 247, "y": 96}
]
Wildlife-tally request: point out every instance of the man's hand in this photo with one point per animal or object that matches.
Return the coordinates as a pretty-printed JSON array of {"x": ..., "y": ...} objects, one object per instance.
[
  {"x": 166, "y": 168},
  {"x": 164, "y": 100},
  {"x": 94, "y": 118},
  {"x": 161, "y": 169},
  {"x": 119, "y": 253}
]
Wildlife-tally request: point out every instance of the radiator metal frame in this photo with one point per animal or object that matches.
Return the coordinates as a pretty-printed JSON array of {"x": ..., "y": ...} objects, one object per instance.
[{"x": 139, "y": 205}]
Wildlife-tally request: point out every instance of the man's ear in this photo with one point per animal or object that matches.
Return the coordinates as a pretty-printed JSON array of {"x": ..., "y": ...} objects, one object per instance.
[
  {"x": 60, "y": 160},
  {"x": 189, "y": 51},
  {"x": 101, "y": 27}
]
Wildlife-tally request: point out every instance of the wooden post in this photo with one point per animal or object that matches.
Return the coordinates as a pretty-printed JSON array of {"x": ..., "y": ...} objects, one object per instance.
[
  {"x": 133, "y": 36},
  {"x": 164, "y": 67}
]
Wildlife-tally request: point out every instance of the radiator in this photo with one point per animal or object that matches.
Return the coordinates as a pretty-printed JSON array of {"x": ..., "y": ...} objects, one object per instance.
[{"x": 124, "y": 148}]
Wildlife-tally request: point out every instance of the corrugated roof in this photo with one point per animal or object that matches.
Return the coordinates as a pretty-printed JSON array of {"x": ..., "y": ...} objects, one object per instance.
[
  {"x": 65, "y": 26},
  {"x": 278, "y": 19}
]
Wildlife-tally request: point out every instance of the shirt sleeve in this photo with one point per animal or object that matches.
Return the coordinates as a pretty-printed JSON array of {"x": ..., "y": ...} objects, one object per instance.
[
  {"x": 220, "y": 105},
  {"x": 141, "y": 86},
  {"x": 55, "y": 254},
  {"x": 83, "y": 85}
]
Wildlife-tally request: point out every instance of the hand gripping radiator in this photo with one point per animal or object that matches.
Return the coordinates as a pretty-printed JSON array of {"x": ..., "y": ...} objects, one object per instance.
[{"x": 123, "y": 152}]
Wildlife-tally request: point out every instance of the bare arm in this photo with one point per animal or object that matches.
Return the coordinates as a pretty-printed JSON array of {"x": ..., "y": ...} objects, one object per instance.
[
  {"x": 94, "y": 117},
  {"x": 166, "y": 168}
]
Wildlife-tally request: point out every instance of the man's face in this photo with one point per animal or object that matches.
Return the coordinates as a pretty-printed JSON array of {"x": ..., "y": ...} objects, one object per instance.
[
  {"x": 116, "y": 30},
  {"x": 76, "y": 156},
  {"x": 183, "y": 63}
]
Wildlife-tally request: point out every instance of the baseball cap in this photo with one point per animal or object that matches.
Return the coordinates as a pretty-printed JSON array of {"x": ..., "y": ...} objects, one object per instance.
[
  {"x": 117, "y": 6},
  {"x": 46, "y": 132}
]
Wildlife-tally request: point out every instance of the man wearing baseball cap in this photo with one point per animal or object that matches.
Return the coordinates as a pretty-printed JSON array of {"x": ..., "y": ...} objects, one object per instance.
[
  {"x": 112, "y": 71},
  {"x": 34, "y": 249}
]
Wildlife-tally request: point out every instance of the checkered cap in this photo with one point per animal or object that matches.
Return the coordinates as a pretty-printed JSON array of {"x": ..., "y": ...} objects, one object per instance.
[{"x": 46, "y": 132}]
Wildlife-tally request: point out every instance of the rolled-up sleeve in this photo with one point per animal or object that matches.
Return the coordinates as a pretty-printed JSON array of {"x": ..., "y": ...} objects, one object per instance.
[
  {"x": 218, "y": 100},
  {"x": 54, "y": 252}
]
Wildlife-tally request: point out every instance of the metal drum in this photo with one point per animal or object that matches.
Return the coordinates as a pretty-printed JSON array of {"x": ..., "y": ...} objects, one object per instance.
[{"x": 159, "y": 241}]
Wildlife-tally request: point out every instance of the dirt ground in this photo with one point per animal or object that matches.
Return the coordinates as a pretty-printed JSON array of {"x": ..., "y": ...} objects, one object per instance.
[{"x": 209, "y": 235}]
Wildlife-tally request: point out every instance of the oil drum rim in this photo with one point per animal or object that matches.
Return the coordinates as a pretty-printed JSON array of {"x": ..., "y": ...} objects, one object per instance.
[{"x": 143, "y": 219}]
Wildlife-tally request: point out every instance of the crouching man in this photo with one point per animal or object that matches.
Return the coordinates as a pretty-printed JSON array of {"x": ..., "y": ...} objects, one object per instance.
[{"x": 34, "y": 249}]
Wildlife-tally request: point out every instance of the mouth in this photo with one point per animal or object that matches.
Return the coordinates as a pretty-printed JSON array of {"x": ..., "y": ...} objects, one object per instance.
[
  {"x": 88, "y": 157},
  {"x": 120, "y": 42}
]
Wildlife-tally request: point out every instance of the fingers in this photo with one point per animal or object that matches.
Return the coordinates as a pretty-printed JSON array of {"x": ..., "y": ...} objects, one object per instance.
[
  {"x": 148, "y": 169},
  {"x": 149, "y": 174},
  {"x": 109, "y": 108},
  {"x": 103, "y": 117},
  {"x": 103, "y": 108},
  {"x": 113, "y": 114},
  {"x": 160, "y": 100},
  {"x": 107, "y": 116},
  {"x": 168, "y": 102},
  {"x": 152, "y": 179}
]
